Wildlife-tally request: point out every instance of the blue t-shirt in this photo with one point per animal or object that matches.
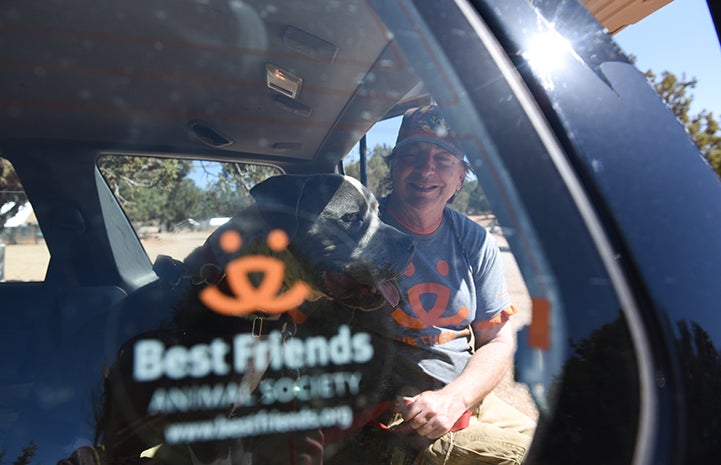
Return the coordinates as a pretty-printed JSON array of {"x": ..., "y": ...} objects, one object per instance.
[{"x": 455, "y": 280}]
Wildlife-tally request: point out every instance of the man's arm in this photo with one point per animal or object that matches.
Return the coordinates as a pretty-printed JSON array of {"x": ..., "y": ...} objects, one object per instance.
[{"x": 433, "y": 413}]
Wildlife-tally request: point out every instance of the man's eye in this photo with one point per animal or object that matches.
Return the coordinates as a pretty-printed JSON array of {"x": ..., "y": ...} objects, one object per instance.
[{"x": 445, "y": 161}]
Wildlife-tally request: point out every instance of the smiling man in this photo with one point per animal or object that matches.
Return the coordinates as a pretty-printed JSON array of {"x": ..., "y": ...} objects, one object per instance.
[{"x": 452, "y": 333}]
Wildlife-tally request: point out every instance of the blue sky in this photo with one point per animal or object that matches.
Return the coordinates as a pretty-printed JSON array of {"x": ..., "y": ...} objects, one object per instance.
[{"x": 680, "y": 37}]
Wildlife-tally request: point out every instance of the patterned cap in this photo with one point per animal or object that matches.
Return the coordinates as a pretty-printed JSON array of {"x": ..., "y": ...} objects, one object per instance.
[{"x": 425, "y": 124}]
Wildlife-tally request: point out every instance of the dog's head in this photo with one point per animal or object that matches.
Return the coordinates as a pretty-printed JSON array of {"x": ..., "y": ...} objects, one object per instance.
[{"x": 345, "y": 250}]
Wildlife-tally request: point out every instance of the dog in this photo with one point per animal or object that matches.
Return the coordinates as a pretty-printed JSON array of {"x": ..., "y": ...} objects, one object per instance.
[
  {"x": 337, "y": 243},
  {"x": 316, "y": 237}
]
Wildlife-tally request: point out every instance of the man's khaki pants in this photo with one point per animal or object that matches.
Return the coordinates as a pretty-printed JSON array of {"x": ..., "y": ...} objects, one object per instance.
[{"x": 496, "y": 434}]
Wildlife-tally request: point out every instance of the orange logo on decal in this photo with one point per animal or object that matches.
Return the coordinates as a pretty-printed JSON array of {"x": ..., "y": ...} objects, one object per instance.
[{"x": 247, "y": 297}]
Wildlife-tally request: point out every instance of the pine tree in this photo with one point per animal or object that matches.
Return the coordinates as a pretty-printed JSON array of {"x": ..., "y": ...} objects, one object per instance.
[
  {"x": 27, "y": 454},
  {"x": 703, "y": 127}
]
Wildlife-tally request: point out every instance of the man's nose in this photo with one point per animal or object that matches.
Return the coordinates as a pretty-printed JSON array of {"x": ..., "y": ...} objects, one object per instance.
[{"x": 425, "y": 163}]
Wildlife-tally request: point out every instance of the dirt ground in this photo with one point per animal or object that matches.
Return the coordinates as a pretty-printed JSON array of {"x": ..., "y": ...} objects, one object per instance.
[{"x": 28, "y": 262}]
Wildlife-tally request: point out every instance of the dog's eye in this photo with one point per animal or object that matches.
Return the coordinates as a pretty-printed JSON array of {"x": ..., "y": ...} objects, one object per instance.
[{"x": 351, "y": 217}]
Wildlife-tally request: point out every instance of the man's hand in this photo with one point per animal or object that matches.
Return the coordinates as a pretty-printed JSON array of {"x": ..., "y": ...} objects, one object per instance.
[{"x": 431, "y": 413}]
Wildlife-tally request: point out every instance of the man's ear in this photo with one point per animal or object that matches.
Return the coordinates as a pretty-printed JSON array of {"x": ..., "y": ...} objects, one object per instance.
[{"x": 464, "y": 175}]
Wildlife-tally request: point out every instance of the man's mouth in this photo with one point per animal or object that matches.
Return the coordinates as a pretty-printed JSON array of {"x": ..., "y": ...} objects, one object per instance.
[{"x": 423, "y": 187}]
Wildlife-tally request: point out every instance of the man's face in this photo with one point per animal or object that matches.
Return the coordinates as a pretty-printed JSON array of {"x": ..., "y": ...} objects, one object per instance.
[{"x": 426, "y": 175}]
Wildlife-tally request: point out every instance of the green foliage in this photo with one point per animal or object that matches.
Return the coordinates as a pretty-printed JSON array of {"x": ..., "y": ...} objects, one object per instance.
[
  {"x": 703, "y": 127},
  {"x": 376, "y": 170},
  {"x": 27, "y": 454},
  {"x": 704, "y": 130},
  {"x": 143, "y": 185},
  {"x": 128, "y": 175},
  {"x": 159, "y": 191},
  {"x": 229, "y": 190},
  {"x": 471, "y": 200},
  {"x": 184, "y": 201}
]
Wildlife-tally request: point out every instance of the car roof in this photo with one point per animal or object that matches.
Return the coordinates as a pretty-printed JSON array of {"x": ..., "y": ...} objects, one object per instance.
[{"x": 194, "y": 78}]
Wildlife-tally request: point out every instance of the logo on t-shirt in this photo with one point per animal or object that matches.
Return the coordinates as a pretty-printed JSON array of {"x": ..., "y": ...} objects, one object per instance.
[{"x": 434, "y": 295}]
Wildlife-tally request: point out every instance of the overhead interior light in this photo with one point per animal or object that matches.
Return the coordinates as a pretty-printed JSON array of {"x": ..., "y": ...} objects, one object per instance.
[{"x": 282, "y": 81}]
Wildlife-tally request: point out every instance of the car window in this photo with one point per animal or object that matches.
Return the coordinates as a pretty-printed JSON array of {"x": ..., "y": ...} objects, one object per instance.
[
  {"x": 174, "y": 204},
  {"x": 472, "y": 202},
  {"x": 23, "y": 253},
  {"x": 220, "y": 293}
]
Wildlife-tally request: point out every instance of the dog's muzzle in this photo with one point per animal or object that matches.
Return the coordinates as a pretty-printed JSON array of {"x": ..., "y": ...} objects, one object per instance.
[{"x": 342, "y": 287}]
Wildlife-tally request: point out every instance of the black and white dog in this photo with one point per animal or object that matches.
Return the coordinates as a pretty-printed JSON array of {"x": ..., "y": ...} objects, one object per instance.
[
  {"x": 337, "y": 243},
  {"x": 326, "y": 233}
]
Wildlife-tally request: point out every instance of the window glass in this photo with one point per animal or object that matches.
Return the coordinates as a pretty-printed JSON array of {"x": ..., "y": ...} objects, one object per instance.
[
  {"x": 472, "y": 202},
  {"x": 286, "y": 323},
  {"x": 173, "y": 204},
  {"x": 23, "y": 253}
]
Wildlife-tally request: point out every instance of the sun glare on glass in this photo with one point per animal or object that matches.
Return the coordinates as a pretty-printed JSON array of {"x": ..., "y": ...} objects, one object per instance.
[{"x": 547, "y": 53}]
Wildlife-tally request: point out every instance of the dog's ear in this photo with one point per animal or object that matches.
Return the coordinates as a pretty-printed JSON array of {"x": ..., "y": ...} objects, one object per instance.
[
  {"x": 291, "y": 202},
  {"x": 277, "y": 201}
]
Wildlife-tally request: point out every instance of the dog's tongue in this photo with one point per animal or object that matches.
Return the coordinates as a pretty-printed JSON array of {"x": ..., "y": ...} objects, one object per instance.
[{"x": 389, "y": 292}]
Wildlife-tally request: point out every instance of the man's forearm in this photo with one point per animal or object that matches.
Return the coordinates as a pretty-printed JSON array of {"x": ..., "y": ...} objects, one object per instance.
[
  {"x": 433, "y": 413},
  {"x": 485, "y": 369}
]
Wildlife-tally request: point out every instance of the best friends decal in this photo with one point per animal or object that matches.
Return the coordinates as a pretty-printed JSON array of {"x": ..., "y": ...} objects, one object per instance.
[{"x": 246, "y": 385}]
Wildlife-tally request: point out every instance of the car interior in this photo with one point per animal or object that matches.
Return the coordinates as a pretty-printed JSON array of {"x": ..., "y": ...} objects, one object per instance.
[{"x": 293, "y": 85}]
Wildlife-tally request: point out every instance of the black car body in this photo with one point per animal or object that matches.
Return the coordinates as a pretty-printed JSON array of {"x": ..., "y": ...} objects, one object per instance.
[{"x": 606, "y": 204}]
